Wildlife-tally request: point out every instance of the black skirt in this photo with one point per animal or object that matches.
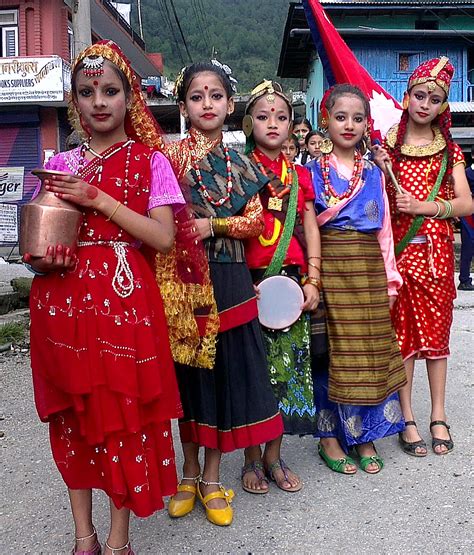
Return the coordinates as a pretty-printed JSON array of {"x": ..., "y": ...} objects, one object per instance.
[{"x": 231, "y": 406}]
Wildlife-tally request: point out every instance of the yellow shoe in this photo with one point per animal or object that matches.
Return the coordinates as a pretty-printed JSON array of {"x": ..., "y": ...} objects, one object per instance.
[
  {"x": 221, "y": 517},
  {"x": 181, "y": 507}
]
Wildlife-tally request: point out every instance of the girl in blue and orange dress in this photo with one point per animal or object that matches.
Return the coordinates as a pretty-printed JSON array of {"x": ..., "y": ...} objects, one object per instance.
[{"x": 103, "y": 373}]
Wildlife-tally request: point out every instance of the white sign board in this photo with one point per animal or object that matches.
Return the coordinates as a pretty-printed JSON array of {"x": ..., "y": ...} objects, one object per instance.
[
  {"x": 8, "y": 223},
  {"x": 11, "y": 184},
  {"x": 32, "y": 79}
]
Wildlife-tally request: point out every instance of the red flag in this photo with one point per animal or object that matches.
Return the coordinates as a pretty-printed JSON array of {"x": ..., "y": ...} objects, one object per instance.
[{"x": 341, "y": 66}]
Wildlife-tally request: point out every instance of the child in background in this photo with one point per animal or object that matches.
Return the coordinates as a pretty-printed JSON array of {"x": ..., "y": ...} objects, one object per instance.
[
  {"x": 356, "y": 401},
  {"x": 291, "y": 147},
  {"x": 301, "y": 127},
  {"x": 313, "y": 144},
  {"x": 102, "y": 367}
]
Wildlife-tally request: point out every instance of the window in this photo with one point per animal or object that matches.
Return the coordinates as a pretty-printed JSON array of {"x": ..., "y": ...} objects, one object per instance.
[
  {"x": 408, "y": 61},
  {"x": 9, "y": 33}
]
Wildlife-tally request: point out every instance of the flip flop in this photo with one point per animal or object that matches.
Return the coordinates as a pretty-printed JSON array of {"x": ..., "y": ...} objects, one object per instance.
[
  {"x": 280, "y": 464},
  {"x": 258, "y": 469}
]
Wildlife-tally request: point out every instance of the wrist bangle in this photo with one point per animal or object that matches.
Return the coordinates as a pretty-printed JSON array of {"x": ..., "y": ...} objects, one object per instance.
[
  {"x": 315, "y": 282},
  {"x": 117, "y": 206},
  {"x": 438, "y": 210},
  {"x": 220, "y": 226},
  {"x": 211, "y": 226},
  {"x": 313, "y": 265},
  {"x": 316, "y": 257}
]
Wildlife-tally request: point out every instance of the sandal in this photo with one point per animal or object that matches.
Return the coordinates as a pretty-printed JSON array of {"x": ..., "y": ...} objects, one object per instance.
[
  {"x": 410, "y": 447},
  {"x": 258, "y": 469},
  {"x": 280, "y": 464},
  {"x": 338, "y": 465},
  {"x": 95, "y": 550},
  {"x": 121, "y": 549},
  {"x": 436, "y": 442},
  {"x": 371, "y": 459}
]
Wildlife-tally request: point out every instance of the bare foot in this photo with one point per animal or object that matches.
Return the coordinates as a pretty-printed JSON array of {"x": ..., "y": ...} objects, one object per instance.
[{"x": 254, "y": 477}]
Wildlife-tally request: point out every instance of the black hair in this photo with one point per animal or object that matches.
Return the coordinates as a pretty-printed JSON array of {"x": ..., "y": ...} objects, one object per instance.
[
  {"x": 190, "y": 73},
  {"x": 345, "y": 89},
  {"x": 303, "y": 121},
  {"x": 312, "y": 134},
  {"x": 126, "y": 85}
]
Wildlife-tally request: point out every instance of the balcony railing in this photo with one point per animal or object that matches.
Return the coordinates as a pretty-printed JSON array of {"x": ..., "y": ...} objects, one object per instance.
[{"x": 121, "y": 21}]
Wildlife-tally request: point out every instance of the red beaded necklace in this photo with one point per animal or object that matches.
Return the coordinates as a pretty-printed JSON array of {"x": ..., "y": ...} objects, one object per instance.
[
  {"x": 276, "y": 202},
  {"x": 203, "y": 188},
  {"x": 330, "y": 194}
]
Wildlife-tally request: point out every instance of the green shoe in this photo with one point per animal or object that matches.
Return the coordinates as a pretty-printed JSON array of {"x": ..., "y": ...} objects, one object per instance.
[
  {"x": 365, "y": 461},
  {"x": 338, "y": 465}
]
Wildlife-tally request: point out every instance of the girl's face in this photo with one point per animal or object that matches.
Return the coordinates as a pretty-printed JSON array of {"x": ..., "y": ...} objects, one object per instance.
[
  {"x": 102, "y": 102},
  {"x": 314, "y": 145},
  {"x": 424, "y": 105},
  {"x": 289, "y": 149},
  {"x": 347, "y": 122},
  {"x": 301, "y": 130},
  {"x": 206, "y": 104},
  {"x": 271, "y": 122}
]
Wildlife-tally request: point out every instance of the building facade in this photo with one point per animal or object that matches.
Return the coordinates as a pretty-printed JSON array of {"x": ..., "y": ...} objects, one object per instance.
[
  {"x": 36, "y": 49},
  {"x": 390, "y": 39}
]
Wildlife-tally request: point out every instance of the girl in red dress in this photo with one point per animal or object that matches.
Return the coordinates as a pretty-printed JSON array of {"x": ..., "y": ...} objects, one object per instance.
[
  {"x": 430, "y": 170},
  {"x": 102, "y": 368}
]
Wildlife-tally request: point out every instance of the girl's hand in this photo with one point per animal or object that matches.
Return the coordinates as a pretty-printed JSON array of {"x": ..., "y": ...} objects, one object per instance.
[
  {"x": 381, "y": 156},
  {"x": 407, "y": 204},
  {"x": 73, "y": 189},
  {"x": 311, "y": 298},
  {"x": 203, "y": 228},
  {"x": 57, "y": 258},
  {"x": 257, "y": 292},
  {"x": 392, "y": 299}
]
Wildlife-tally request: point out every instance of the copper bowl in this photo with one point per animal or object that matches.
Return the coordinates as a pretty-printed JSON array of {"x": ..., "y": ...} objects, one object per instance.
[{"x": 48, "y": 220}]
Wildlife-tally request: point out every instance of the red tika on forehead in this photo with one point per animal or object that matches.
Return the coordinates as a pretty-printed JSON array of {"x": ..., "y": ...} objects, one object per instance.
[{"x": 437, "y": 70}]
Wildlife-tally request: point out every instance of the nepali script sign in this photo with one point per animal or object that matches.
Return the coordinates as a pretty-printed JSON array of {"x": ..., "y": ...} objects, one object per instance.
[{"x": 33, "y": 79}]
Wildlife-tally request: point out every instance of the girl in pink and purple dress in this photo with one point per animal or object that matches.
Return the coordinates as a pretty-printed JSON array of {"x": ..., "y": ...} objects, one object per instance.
[{"x": 103, "y": 372}]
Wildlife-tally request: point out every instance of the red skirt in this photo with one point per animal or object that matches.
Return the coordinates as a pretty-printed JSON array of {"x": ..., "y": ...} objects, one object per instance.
[
  {"x": 423, "y": 313},
  {"x": 104, "y": 379}
]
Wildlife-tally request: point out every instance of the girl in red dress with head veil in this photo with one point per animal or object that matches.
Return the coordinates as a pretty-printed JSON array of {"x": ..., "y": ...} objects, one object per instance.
[
  {"x": 430, "y": 170},
  {"x": 102, "y": 368}
]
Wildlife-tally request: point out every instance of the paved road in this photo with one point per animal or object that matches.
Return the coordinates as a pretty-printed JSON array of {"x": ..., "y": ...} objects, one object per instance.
[{"x": 413, "y": 506}]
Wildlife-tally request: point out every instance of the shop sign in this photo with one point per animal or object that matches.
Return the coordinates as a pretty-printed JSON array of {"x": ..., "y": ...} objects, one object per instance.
[
  {"x": 11, "y": 184},
  {"x": 8, "y": 223},
  {"x": 32, "y": 79}
]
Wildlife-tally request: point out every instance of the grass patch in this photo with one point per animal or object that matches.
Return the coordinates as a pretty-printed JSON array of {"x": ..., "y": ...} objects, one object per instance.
[{"x": 12, "y": 332}]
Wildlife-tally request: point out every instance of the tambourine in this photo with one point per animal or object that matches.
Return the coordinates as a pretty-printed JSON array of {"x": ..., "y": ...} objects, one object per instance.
[{"x": 279, "y": 303}]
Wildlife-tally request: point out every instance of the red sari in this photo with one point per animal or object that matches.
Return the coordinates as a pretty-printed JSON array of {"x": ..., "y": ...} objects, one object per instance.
[{"x": 102, "y": 367}]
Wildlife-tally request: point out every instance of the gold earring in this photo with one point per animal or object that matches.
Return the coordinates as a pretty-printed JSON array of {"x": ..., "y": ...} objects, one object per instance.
[
  {"x": 444, "y": 107},
  {"x": 326, "y": 146},
  {"x": 247, "y": 125},
  {"x": 406, "y": 101}
]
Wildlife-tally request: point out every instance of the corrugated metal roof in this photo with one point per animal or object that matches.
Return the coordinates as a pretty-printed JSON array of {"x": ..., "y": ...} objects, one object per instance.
[{"x": 461, "y": 107}]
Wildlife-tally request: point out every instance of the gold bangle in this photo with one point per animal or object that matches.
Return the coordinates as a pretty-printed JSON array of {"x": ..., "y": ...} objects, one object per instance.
[
  {"x": 313, "y": 265},
  {"x": 220, "y": 226},
  {"x": 316, "y": 282},
  {"x": 311, "y": 257},
  {"x": 117, "y": 206}
]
